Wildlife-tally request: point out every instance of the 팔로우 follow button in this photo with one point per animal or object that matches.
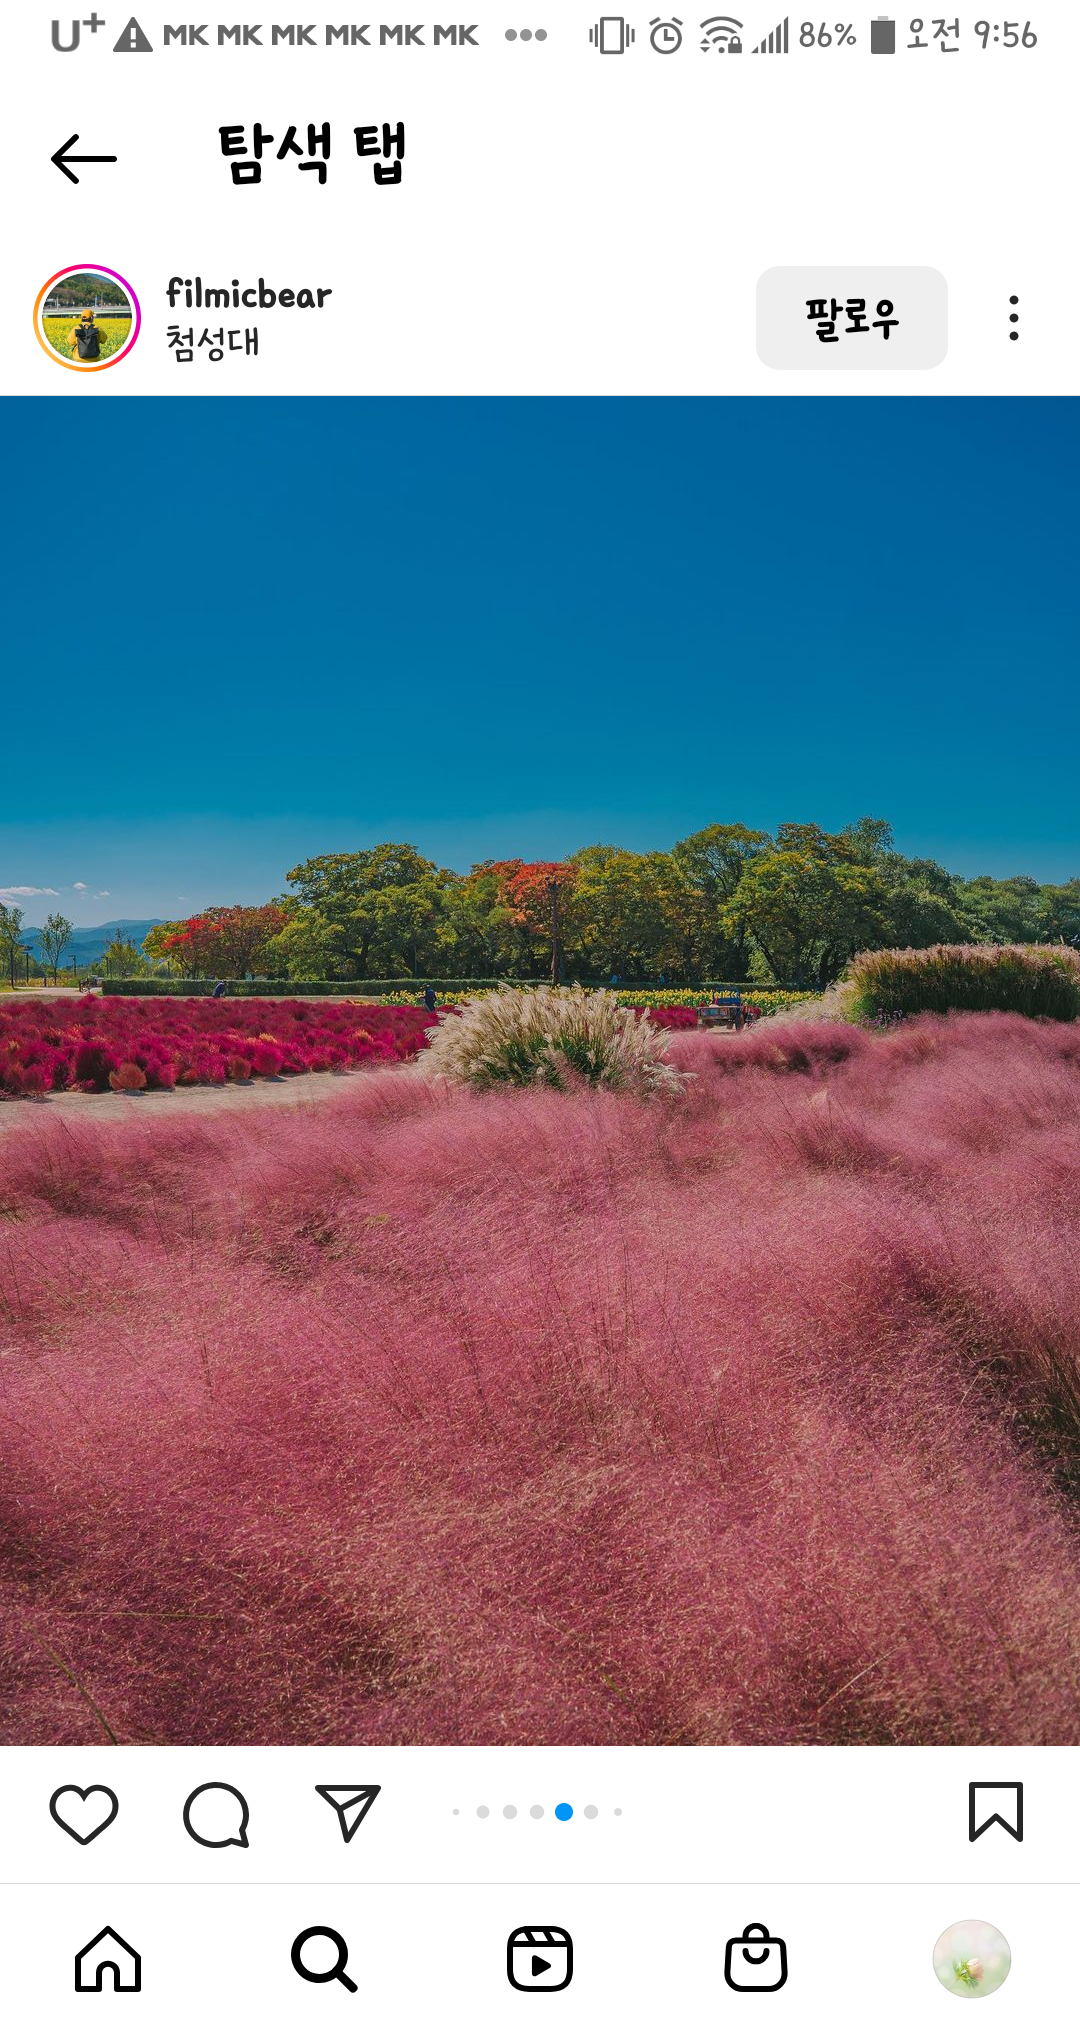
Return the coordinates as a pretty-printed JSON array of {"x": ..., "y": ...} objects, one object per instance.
[{"x": 844, "y": 318}]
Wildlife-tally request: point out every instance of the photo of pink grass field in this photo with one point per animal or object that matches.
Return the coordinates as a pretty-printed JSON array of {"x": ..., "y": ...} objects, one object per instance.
[
  {"x": 540, "y": 1075},
  {"x": 744, "y": 1412}
]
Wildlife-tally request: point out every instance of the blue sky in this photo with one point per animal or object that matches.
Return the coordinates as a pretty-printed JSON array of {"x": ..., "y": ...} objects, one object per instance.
[{"x": 245, "y": 631}]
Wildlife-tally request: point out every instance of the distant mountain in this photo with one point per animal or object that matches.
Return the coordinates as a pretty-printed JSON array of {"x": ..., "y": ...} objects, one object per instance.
[{"x": 90, "y": 941}]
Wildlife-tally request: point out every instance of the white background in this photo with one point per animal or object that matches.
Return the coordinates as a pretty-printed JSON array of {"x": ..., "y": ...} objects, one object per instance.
[
  {"x": 735, "y": 1814},
  {"x": 567, "y": 223},
  {"x": 647, "y": 1958},
  {"x": 858, "y": 1859}
]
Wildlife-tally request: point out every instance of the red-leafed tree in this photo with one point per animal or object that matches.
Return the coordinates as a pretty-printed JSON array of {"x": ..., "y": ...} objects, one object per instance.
[
  {"x": 226, "y": 939},
  {"x": 537, "y": 895}
]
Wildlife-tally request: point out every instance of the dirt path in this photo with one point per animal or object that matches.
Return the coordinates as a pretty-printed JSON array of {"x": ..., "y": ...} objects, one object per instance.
[
  {"x": 34, "y": 993},
  {"x": 832, "y": 1004},
  {"x": 162, "y": 1104}
]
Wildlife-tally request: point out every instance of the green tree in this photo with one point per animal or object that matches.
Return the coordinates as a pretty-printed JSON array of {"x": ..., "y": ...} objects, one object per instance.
[
  {"x": 55, "y": 934},
  {"x": 479, "y": 926},
  {"x": 1005, "y": 910},
  {"x": 1059, "y": 911},
  {"x": 715, "y": 859},
  {"x": 809, "y": 904},
  {"x": 302, "y": 951},
  {"x": 636, "y": 915},
  {"x": 367, "y": 913},
  {"x": 412, "y": 926},
  {"x": 922, "y": 905},
  {"x": 11, "y": 946},
  {"x": 870, "y": 841},
  {"x": 717, "y": 856},
  {"x": 120, "y": 957}
]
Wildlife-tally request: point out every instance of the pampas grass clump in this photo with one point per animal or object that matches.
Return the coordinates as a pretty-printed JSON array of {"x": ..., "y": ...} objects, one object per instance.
[{"x": 553, "y": 1038}]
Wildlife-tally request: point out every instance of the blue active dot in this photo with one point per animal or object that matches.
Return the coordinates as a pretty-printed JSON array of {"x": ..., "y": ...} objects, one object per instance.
[{"x": 563, "y": 1812}]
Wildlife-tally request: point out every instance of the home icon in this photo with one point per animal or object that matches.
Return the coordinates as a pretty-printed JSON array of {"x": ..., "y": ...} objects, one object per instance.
[{"x": 108, "y": 1952}]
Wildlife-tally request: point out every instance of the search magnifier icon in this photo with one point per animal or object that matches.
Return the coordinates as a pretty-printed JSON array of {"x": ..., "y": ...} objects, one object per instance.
[{"x": 337, "y": 1968}]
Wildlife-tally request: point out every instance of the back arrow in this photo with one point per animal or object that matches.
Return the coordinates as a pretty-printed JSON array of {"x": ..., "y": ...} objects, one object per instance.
[{"x": 62, "y": 158}]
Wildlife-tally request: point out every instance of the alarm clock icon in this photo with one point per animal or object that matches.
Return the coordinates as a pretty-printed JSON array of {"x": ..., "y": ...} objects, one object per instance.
[{"x": 665, "y": 36}]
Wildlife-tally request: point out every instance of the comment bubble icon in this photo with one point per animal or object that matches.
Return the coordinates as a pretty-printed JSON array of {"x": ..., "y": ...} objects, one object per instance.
[{"x": 216, "y": 1815}]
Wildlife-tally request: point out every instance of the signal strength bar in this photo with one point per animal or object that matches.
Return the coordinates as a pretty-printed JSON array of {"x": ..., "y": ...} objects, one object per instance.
[{"x": 775, "y": 44}]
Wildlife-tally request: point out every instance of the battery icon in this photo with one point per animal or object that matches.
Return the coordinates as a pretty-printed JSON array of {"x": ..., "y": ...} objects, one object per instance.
[{"x": 883, "y": 36}]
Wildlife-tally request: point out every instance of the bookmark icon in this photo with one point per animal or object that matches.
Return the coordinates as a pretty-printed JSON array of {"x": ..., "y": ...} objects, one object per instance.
[{"x": 991, "y": 1801}]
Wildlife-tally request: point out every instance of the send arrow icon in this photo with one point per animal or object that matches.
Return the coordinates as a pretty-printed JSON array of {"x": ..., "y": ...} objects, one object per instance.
[{"x": 350, "y": 1805}]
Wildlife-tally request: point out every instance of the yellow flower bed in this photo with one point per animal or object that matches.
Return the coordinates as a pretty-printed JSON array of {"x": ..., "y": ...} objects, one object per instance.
[
  {"x": 115, "y": 333},
  {"x": 768, "y": 1001}
]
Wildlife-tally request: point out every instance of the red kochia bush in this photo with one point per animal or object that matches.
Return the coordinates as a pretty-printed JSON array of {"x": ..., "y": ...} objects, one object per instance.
[
  {"x": 94, "y": 1061},
  {"x": 62, "y": 1044},
  {"x": 128, "y": 1079},
  {"x": 670, "y": 1017},
  {"x": 418, "y": 1416}
]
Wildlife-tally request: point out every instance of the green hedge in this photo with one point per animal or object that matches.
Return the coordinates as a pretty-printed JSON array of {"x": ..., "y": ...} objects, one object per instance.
[
  {"x": 1034, "y": 981},
  {"x": 174, "y": 985}
]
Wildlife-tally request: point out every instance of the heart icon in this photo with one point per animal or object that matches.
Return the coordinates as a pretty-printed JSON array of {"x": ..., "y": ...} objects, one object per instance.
[{"x": 86, "y": 1811}]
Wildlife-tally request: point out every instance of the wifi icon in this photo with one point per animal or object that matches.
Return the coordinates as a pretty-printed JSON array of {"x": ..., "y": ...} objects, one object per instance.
[{"x": 722, "y": 33}]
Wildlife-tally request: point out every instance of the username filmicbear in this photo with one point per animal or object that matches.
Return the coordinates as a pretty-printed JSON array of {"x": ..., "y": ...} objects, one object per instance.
[{"x": 261, "y": 297}]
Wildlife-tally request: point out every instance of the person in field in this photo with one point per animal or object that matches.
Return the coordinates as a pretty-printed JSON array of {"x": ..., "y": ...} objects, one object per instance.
[{"x": 85, "y": 338}]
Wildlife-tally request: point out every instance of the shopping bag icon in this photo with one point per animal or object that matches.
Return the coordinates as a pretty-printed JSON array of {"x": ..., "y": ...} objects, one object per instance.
[{"x": 755, "y": 1961}]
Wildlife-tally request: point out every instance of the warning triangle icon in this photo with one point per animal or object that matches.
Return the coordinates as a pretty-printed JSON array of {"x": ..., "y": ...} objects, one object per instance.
[
  {"x": 350, "y": 1804},
  {"x": 132, "y": 41}
]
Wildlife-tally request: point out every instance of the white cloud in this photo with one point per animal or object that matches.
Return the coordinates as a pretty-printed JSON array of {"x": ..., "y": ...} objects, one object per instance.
[
  {"x": 102, "y": 893},
  {"x": 26, "y": 890},
  {"x": 78, "y": 886}
]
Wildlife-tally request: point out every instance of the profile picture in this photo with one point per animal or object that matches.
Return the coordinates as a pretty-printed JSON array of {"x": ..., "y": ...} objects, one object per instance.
[
  {"x": 87, "y": 318},
  {"x": 972, "y": 1959}
]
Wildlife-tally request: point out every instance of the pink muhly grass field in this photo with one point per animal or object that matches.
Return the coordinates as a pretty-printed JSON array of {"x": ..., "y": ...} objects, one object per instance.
[{"x": 425, "y": 1416}]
